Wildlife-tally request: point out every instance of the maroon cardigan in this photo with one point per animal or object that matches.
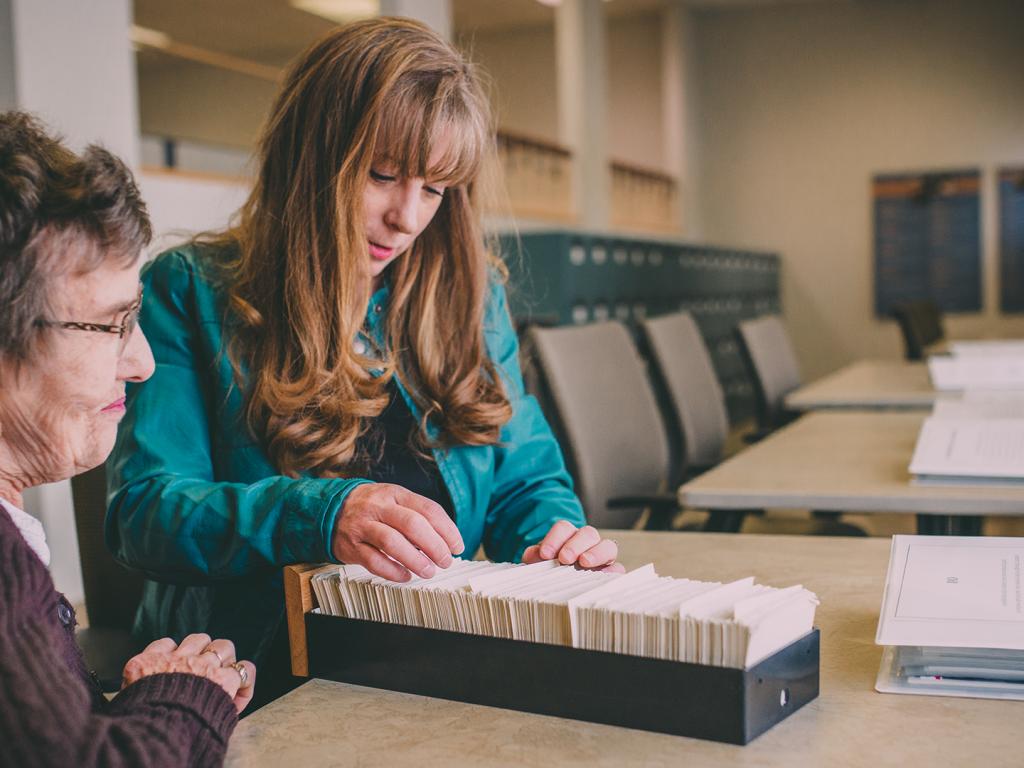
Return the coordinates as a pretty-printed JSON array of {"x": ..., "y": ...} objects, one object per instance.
[{"x": 52, "y": 712}]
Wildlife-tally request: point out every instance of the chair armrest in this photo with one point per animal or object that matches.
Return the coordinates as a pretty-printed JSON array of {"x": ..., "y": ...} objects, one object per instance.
[{"x": 655, "y": 501}]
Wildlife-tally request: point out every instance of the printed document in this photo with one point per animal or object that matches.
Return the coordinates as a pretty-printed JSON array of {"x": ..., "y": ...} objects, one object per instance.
[{"x": 970, "y": 448}]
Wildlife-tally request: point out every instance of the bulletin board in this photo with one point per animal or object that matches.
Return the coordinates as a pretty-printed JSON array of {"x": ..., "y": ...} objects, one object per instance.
[
  {"x": 1011, "y": 239},
  {"x": 928, "y": 240}
]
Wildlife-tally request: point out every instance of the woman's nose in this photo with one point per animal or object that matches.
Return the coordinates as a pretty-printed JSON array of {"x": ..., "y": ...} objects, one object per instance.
[
  {"x": 402, "y": 213},
  {"x": 136, "y": 363}
]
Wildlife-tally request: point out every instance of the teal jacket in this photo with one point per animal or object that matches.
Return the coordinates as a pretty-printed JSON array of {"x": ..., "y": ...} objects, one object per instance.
[{"x": 195, "y": 503}]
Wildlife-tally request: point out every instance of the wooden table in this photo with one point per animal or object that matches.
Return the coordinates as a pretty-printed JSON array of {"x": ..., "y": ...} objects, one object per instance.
[
  {"x": 847, "y": 462},
  {"x": 334, "y": 724},
  {"x": 869, "y": 384}
]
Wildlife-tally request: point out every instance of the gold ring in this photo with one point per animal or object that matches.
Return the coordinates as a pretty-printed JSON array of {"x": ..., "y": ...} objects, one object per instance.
[
  {"x": 211, "y": 649},
  {"x": 243, "y": 674}
]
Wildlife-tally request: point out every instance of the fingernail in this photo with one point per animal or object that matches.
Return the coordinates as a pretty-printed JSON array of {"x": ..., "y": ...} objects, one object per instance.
[
  {"x": 446, "y": 561},
  {"x": 566, "y": 556},
  {"x": 428, "y": 572},
  {"x": 547, "y": 553}
]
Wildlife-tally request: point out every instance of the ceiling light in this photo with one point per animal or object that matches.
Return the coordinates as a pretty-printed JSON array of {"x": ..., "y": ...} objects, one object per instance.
[{"x": 340, "y": 11}]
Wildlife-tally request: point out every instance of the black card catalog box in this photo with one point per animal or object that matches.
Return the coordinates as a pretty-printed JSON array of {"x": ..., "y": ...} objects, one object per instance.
[{"x": 717, "y": 703}]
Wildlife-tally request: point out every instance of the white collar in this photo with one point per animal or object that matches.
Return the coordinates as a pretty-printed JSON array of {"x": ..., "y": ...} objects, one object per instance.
[{"x": 31, "y": 530}]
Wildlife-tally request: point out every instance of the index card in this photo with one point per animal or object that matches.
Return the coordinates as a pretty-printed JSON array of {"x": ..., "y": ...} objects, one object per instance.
[{"x": 636, "y": 613}]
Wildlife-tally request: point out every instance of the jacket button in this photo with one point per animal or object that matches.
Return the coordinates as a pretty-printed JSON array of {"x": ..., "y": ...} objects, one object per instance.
[
  {"x": 64, "y": 614},
  {"x": 378, "y": 308},
  {"x": 359, "y": 347}
]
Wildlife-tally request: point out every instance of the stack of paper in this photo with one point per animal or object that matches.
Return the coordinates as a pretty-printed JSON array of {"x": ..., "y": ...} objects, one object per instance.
[
  {"x": 1004, "y": 348},
  {"x": 638, "y": 613},
  {"x": 969, "y": 450},
  {"x": 966, "y": 372},
  {"x": 982, "y": 404},
  {"x": 952, "y": 617}
]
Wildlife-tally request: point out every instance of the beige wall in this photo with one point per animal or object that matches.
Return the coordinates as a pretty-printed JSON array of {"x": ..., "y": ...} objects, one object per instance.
[
  {"x": 799, "y": 106},
  {"x": 191, "y": 101},
  {"x": 635, "y": 115},
  {"x": 520, "y": 62}
]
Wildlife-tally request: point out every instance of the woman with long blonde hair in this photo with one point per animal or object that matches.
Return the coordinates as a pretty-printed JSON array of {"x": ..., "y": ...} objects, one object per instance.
[{"x": 336, "y": 375}]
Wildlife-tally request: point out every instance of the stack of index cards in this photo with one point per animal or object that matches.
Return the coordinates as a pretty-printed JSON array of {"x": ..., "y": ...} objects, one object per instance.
[{"x": 638, "y": 613}]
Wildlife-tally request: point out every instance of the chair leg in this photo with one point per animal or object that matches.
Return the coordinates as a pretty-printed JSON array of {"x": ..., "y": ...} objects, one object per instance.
[
  {"x": 660, "y": 519},
  {"x": 949, "y": 525},
  {"x": 725, "y": 521}
]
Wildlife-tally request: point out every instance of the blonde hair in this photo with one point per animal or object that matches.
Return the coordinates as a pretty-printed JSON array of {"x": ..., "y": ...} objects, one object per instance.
[{"x": 298, "y": 271}]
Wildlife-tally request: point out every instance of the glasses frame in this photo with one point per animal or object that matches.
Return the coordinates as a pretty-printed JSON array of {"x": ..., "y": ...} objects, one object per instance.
[{"x": 123, "y": 330}]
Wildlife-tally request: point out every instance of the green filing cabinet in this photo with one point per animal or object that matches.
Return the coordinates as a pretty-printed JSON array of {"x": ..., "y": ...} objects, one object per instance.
[{"x": 561, "y": 277}]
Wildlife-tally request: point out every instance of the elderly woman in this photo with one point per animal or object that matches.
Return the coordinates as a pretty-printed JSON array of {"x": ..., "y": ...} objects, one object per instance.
[{"x": 71, "y": 231}]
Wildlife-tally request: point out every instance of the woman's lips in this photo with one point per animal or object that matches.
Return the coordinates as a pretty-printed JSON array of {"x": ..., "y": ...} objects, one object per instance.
[
  {"x": 380, "y": 252},
  {"x": 115, "y": 407}
]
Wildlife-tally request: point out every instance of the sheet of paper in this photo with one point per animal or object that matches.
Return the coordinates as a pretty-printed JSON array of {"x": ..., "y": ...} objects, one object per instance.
[
  {"x": 981, "y": 404},
  {"x": 985, "y": 347},
  {"x": 991, "y": 448},
  {"x": 954, "y": 591},
  {"x": 999, "y": 372}
]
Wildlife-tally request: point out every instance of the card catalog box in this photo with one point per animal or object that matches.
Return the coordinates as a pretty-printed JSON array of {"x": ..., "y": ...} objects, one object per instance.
[{"x": 717, "y": 703}]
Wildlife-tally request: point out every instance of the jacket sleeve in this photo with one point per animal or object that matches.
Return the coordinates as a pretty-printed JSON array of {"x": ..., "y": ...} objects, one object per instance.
[
  {"x": 532, "y": 488},
  {"x": 168, "y": 515},
  {"x": 47, "y": 715}
]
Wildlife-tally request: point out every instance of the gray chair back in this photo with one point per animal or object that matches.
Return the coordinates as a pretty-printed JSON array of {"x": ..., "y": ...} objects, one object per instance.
[
  {"x": 684, "y": 365},
  {"x": 112, "y": 592},
  {"x": 921, "y": 325},
  {"x": 609, "y": 420},
  {"x": 769, "y": 353}
]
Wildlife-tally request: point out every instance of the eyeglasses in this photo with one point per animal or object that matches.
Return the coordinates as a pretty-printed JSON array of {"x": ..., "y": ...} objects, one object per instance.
[{"x": 123, "y": 329}]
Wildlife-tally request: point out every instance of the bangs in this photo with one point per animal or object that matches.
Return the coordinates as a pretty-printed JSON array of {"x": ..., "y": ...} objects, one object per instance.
[{"x": 423, "y": 116}]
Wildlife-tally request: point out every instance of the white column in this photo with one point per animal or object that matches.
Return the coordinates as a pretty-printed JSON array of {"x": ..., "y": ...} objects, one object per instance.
[
  {"x": 8, "y": 96},
  {"x": 435, "y": 13},
  {"x": 678, "y": 100},
  {"x": 581, "y": 60},
  {"x": 71, "y": 63}
]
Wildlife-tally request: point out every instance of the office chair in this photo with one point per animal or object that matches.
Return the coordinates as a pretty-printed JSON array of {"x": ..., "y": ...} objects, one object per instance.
[
  {"x": 768, "y": 354},
  {"x": 683, "y": 370},
  {"x": 112, "y": 592},
  {"x": 608, "y": 422},
  {"x": 921, "y": 326}
]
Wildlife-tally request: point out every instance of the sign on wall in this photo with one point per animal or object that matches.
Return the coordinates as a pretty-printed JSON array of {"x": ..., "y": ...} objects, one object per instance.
[
  {"x": 1011, "y": 239},
  {"x": 928, "y": 240}
]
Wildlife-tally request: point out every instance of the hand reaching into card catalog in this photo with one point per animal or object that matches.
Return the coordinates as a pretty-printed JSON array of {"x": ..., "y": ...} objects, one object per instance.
[
  {"x": 394, "y": 533},
  {"x": 580, "y": 546}
]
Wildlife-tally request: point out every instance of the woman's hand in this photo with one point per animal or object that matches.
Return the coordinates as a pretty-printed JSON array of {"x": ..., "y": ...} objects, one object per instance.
[
  {"x": 391, "y": 531},
  {"x": 582, "y": 546},
  {"x": 197, "y": 655}
]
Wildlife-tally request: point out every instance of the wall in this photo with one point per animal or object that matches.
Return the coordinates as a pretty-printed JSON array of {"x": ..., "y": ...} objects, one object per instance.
[
  {"x": 799, "y": 105},
  {"x": 185, "y": 100},
  {"x": 520, "y": 63},
  {"x": 181, "y": 205},
  {"x": 635, "y": 115}
]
